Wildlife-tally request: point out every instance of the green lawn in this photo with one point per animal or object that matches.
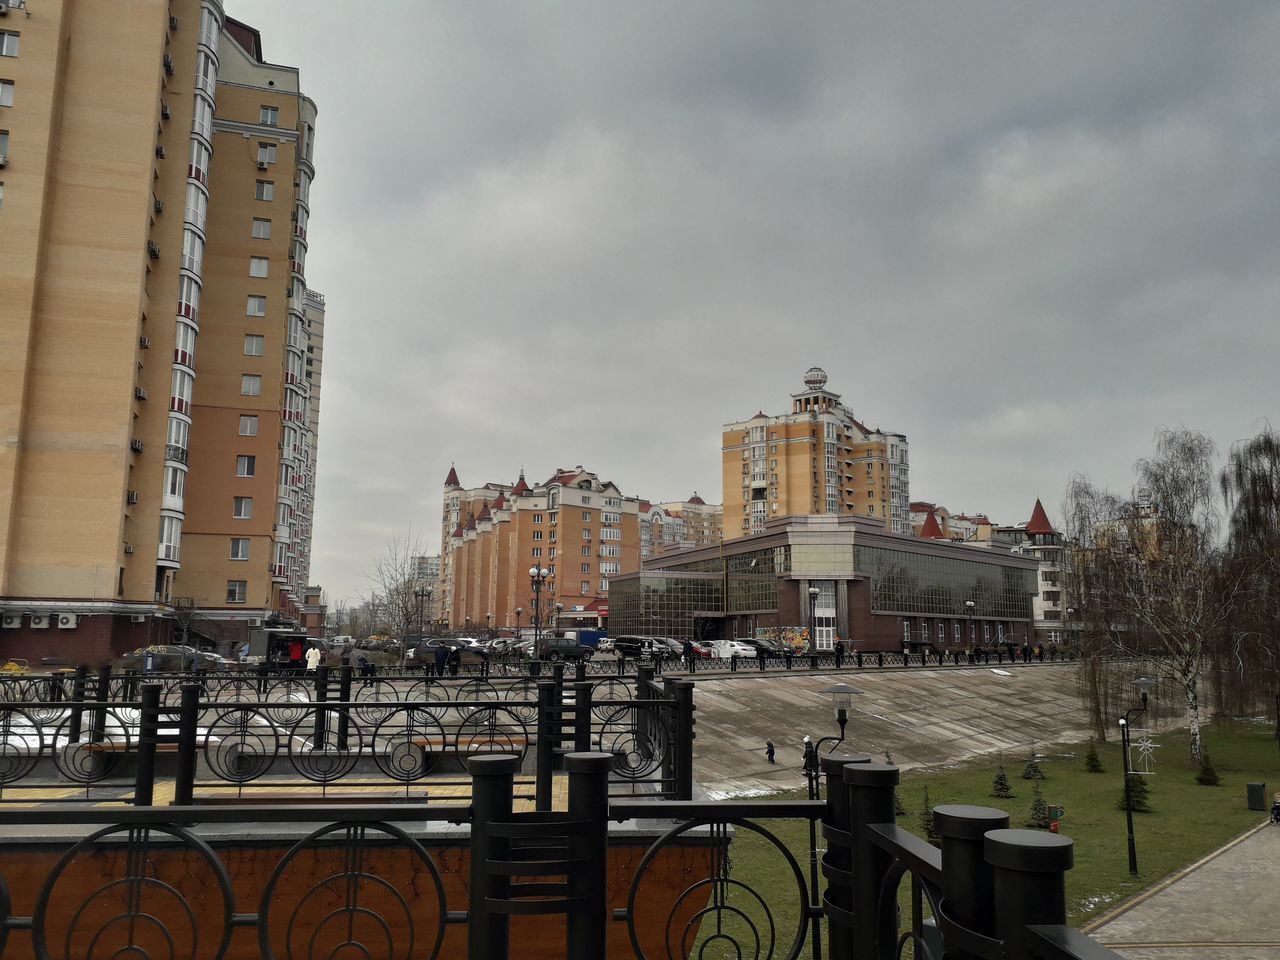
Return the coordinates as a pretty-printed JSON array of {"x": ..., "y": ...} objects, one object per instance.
[{"x": 1186, "y": 822}]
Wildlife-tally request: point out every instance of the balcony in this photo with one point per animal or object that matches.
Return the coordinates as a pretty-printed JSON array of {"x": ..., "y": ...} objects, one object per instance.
[
  {"x": 278, "y": 573},
  {"x": 175, "y": 453},
  {"x": 179, "y": 405}
]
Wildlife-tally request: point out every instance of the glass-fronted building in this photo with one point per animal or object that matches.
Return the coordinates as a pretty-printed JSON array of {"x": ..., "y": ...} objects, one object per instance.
[{"x": 875, "y": 590}]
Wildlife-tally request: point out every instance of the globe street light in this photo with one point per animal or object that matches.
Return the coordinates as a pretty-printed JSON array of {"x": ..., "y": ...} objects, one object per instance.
[
  {"x": 519, "y": 610},
  {"x": 537, "y": 582},
  {"x": 559, "y": 608},
  {"x": 813, "y": 617},
  {"x": 1145, "y": 685}
]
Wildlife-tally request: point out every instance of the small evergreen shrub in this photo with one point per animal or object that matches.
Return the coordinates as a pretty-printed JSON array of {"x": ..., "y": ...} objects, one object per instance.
[
  {"x": 1032, "y": 770},
  {"x": 1091, "y": 761},
  {"x": 1000, "y": 784},
  {"x": 1139, "y": 793},
  {"x": 1039, "y": 809},
  {"x": 1207, "y": 777},
  {"x": 926, "y": 818}
]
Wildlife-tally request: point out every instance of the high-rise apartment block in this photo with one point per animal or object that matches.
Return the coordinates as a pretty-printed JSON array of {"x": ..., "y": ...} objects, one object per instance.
[
  {"x": 817, "y": 459},
  {"x": 156, "y": 400},
  {"x": 679, "y": 525},
  {"x": 581, "y": 529}
]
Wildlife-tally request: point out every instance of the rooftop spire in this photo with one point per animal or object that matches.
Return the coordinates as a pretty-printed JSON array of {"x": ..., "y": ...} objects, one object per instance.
[
  {"x": 452, "y": 479},
  {"x": 1039, "y": 522}
]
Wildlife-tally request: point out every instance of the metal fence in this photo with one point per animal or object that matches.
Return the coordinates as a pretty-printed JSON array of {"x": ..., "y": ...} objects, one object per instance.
[{"x": 603, "y": 878}]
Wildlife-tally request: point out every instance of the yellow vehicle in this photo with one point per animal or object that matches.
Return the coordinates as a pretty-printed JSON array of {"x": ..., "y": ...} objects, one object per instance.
[{"x": 15, "y": 666}]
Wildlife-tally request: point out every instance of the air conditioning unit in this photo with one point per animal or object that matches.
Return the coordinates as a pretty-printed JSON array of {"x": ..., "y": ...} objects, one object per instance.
[
  {"x": 173, "y": 23},
  {"x": 138, "y": 618},
  {"x": 262, "y": 164},
  {"x": 10, "y": 621},
  {"x": 164, "y": 111},
  {"x": 67, "y": 621},
  {"x": 144, "y": 343},
  {"x": 168, "y": 64},
  {"x": 159, "y": 205},
  {"x": 131, "y": 497},
  {"x": 159, "y": 153},
  {"x": 135, "y": 446},
  {"x": 255, "y": 621},
  {"x": 139, "y": 393},
  {"x": 128, "y": 548},
  {"x": 153, "y": 248},
  {"x": 39, "y": 621},
  {"x": 3, "y": 160}
]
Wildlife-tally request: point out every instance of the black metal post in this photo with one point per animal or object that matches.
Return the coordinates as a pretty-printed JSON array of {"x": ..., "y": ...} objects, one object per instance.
[
  {"x": 582, "y": 716},
  {"x": 1128, "y": 796},
  {"x": 1029, "y": 872},
  {"x": 144, "y": 780},
  {"x": 492, "y": 786},
  {"x": 837, "y": 899},
  {"x": 78, "y": 686},
  {"x": 98, "y": 720},
  {"x": 589, "y": 806},
  {"x": 264, "y": 668},
  {"x": 968, "y": 886},
  {"x": 184, "y": 780},
  {"x": 322, "y": 716},
  {"x": 344, "y": 696},
  {"x": 685, "y": 736},
  {"x": 871, "y": 791},
  {"x": 545, "y": 758}
]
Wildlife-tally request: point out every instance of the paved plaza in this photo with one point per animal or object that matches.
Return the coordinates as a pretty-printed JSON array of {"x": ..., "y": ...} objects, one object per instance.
[{"x": 1226, "y": 907}]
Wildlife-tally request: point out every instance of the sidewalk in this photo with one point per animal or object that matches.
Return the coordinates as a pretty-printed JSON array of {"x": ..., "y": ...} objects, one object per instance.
[{"x": 1227, "y": 907}]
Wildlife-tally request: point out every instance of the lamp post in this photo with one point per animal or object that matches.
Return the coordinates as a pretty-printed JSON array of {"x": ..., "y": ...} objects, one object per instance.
[
  {"x": 813, "y": 617},
  {"x": 1066, "y": 626},
  {"x": 558, "y": 608},
  {"x": 537, "y": 582},
  {"x": 1144, "y": 685},
  {"x": 519, "y": 610},
  {"x": 488, "y": 625},
  {"x": 841, "y": 699},
  {"x": 968, "y": 609}
]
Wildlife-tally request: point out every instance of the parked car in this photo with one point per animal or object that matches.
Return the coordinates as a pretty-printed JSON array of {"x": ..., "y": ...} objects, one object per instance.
[
  {"x": 425, "y": 652},
  {"x": 604, "y": 645},
  {"x": 169, "y": 658},
  {"x": 766, "y": 647},
  {"x": 736, "y": 648},
  {"x": 564, "y": 648},
  {"x": 704, "y": 650}
]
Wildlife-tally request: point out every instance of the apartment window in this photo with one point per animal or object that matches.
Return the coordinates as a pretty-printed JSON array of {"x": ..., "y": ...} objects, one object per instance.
[
  {"x": 250, "y": 385},
  {"x": 537, "y": 534},
  {"x": 239, "y": 548},
  {"x": 253, "y": 347},
  {"x": 256, "y": 307},
  {"x": 586, "y": 551},
  {"x": 237, "y": 591},
  {"x": 586, "y": 587},
  {"x": 248, "y": 426},
  {"x": 604, "y": 585},
  {"x": 246, "y": 465},
  {"x": 586, "y": 516},
  {"x": 266, "y": 153},
  {"x": 537, "y": 552},
  {"x": 261, "y": 229},
  {"x": 586, "y": 501},
  {"x": 242, "y": 508},
  {"x": 4, "y": 143},
  {"x": 586, "y": 534},
  {"x": 8, "y": 44},
  {"x": 258, "y": 268},
  {"x": 265, "y": 190},
  {"x": 1, "y": 193},
  {"x": 552, "y": 553},
  {"x": 586, "y": 568},
  {"x": 537, "y": 518},
  {"x": 6, "y": 93},
  {"x": 269, "y": 117}
]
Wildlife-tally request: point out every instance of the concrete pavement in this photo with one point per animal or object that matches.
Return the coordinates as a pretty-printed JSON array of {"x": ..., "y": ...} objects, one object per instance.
[{"x": 1226, "y": 907}]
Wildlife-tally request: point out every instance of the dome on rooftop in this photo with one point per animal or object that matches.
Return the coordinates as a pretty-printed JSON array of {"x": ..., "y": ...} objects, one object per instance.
[{"x": 815, "y": 378}]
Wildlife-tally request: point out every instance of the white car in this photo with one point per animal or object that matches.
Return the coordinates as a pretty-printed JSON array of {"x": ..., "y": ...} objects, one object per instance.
[{"x": 729, "y": 648}]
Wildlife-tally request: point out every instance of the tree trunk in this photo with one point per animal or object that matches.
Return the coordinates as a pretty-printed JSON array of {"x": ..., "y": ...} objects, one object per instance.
[{"x": 1194, "y": 720}]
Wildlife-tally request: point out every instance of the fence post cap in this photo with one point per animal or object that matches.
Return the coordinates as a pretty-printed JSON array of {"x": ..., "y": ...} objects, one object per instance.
[
  {"x": 870, "y": 775},
  {"x": 833, "y": 763},
  {"x": 587, "y": 762},
  {"x": 493, "y": 765},
  {"x": 1030, "y": 851},
  {"x": 965, "y": 822}
]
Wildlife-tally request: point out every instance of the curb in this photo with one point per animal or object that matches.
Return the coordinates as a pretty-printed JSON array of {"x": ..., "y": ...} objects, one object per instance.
[{"x": 1144, "y": 895}]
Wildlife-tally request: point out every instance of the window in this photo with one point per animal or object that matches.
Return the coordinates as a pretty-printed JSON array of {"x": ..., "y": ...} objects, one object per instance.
[
  {"x": 248, "y": 426},
  {"x": 537, "y": 552},
  {"x": 8, "y": 44},
  {"x": 237, "y": 591},
  {"x": 6, "y": 93},
  {"x": 604, "y": 585},
  {"x": 586, "y": 516},
  {"x": 242, "y": 508},
  {"x": 537, "y": 534},
  {"x": 258, "y": 267},
  {"x": 1, "y": 193},
  {"x": 266, "y": 153},
  {"x": 586, "y": 551},
  {"x": 4, "y": 143},
  {"x": 265, "y": 190},
  {"x": 537, "y": 518},
  {"x": 586, "y": 534},
  {"x": 552, "y": 553},
  {"x": 269, "y": 117},
  {"x": 586, "y": 501},
  {"x": 586, "y": 568},
  {"x": 175, "y": 482},
  {"x": 256, "y": 306},
  {"x": 586, "y": 587},
  {"x": 250, "y": 385},
  {"x": 261, "y": 229},
  {"x": 246, "y": 465},
  {"x": 239, "y": 548},
  {"x": 253, "y": 345}
]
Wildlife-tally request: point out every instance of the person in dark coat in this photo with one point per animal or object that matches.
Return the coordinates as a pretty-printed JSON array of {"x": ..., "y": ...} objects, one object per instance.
[
  {"x": 768, "y": 751},
  {"x": 688, "y": 655},
  {"x": 839, "y": 654},
  {"x": 455, "y": 661},
  {"x": 442, "y": 658}
]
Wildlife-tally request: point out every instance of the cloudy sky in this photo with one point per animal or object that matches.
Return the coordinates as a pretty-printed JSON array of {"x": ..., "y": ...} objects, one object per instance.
[{"x": 1025, "y": 235}]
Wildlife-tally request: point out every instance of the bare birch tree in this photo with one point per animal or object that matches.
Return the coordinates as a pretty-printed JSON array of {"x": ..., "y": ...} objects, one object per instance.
[{"x": 394, "y": 579}]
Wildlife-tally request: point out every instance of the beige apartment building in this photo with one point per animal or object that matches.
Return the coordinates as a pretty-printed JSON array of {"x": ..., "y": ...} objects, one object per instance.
[
  {"x": 580, "y": 528},
  {"x": 154, "y": 400},
  {"x": 817, "y": 459},
  {"x": 679, "y": 525}
]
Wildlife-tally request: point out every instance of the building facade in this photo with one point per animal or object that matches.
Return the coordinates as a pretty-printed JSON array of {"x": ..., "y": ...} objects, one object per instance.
[
  {"x": 583, "y": 530},
  {"x": 878, "y": 591},
  {"x": 817, "y": 459},
  {"x": 679, "y": 525},
  {"x": 1051, "y": 609},
  {"x": 152, "y": 338}
]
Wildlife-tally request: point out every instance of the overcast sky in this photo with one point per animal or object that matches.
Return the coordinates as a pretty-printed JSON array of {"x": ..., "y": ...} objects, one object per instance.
[{"x": 1025, "y": 235}]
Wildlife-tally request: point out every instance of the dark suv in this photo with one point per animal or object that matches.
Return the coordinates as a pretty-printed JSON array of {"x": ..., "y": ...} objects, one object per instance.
[{"x": 564, "y": 648}]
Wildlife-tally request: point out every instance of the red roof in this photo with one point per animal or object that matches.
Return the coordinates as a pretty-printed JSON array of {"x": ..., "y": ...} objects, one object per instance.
[
  {"x": 248, "y": 37},
  {"x": 931, "y": 530},
  {"x": 919, "y": 506},
  {"x": 457, "y": 531},
  {"x": 484, "y": 513},
  {"x": 501, "y": 502},
  {"x": 521, "y": 487},
  {"x": 452, "y": 479},
  {"x": 645, "y": 506},
  {"x": 697, "y": 499},
  {"x": 471, "y": 522},
  {"x": 1039, "y": 522}
]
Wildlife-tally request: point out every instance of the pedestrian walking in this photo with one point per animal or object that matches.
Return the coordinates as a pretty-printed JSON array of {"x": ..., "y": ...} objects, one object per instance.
[
  {"x": 442, "y": 659},
  {"x": 688, "y": 655},
  {"x": 455, "y": 661},
  {"x": 313, "y": 659},
  {"x": 768, "y": 752},
  {"x": 839, "y": 653}
]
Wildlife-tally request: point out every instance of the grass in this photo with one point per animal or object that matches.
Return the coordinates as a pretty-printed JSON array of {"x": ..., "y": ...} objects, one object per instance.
[{"x": 1187, "y": 821}]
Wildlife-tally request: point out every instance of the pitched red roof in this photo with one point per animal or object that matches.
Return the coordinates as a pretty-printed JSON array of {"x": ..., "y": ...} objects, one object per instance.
[
  {"x": 471, "y": 522},
  {"x": 931, "y": 530},
  {"x": 919, "y": 506},
  {"x": 521, "y": 487},
  {"x": 452, "y": 479},
  {"x": 501, "y": 502},
  {"x": 695, "y": 499},
  {"x": 484, "y": 513},
  {"x": 1039, "y": 522},
  {"x": 645, "y": 506},
  {"x": 457, "y": 531}
]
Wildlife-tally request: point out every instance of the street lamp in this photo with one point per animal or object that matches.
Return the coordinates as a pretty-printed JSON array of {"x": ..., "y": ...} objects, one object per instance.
[
  {"x": 488, "y": 623},
  {"x": 537, "y": 582},
  {"x": 1066, "y": 626},
  {"x": 519, "y": 610},
  {"x": 559, "y": 609},
  {"x": 1145, "y": 685},
  {"x": 973, "y": 639},
  {"x": 813, "y": 617}
]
